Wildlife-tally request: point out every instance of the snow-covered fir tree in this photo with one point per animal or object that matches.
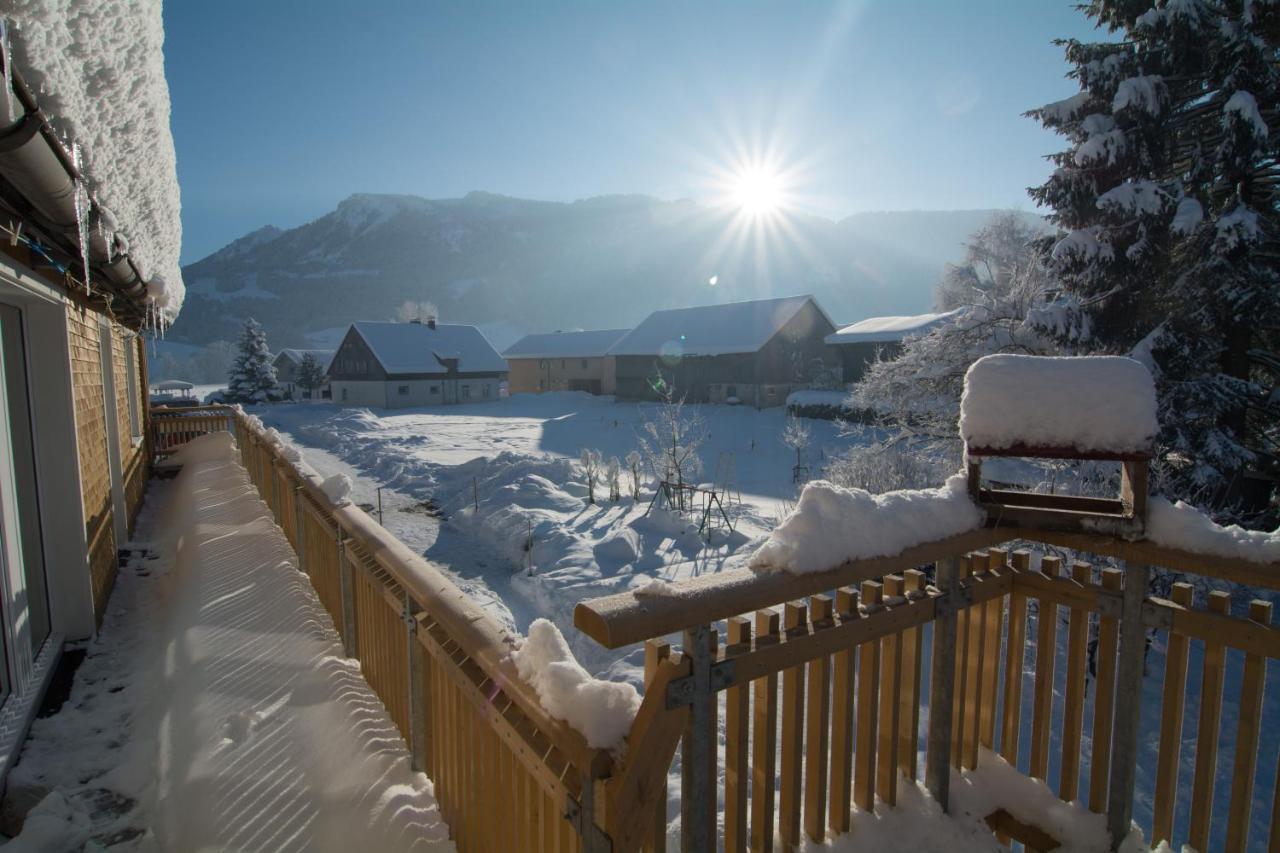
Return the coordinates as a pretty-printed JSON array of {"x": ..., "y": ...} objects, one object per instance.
[
  {"x": 253, "y": 376},
  {"x": 1167, "y": 200}
]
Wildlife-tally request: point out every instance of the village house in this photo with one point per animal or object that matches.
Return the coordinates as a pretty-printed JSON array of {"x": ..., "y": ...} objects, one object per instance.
[
  {"x": 73, "y": 407},
  {"x": 859, "y": 344},
  {"x": 288, "y": 361},
  {"x": 419, "y": 363},
  {"x": 564, "y": 361},
  {"x": 754, "y": 352}
]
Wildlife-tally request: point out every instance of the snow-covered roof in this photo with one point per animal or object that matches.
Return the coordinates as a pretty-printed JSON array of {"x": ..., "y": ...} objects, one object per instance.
[
  {"x": 732, "y": 327},
  {"x": 98, "y": 69},
  {"x": 1091, "y": 404},
  {"x": 883, "y": 330},
  {"x": 592, "y": 344},
  {"x": 296, "y": 355},
  {"x": 418, "y": 348}
]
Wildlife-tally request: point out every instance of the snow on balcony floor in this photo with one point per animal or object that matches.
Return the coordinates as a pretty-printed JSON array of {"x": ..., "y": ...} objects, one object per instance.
[{"x": 214, "y": 710}]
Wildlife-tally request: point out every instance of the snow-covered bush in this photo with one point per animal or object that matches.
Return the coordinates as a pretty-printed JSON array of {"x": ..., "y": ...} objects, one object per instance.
[
  {"x": 591, "y": 464},
  {"x": 612, "y": 476},
  {"x": 892, "y": 465},
  {"x": 633, "y": 465}
]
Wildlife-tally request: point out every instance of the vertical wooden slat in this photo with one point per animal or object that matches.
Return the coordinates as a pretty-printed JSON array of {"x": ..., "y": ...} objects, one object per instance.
[
  {"x": 764, "y": 743},
  {"x": 889, "y": 709},
  {"x": 997, "y": 559},
  {"x": 1252, "y": 683},
  {"x": 1104, "y": 698},
  {"x": 1042, "y": 706},
  {"x": 1207, "y": 731},
  {"x": 909, "y": 692},
  {"x": 817, "y": 729},
  {"x": 960, "y": 697},
  {"x": 842, "y": 720},
  {"x": 1168, "y": 758},
  {"x": 737, "y": 726},
  {"x": 698, "y": 790},
  {"x": 655, "y": 652},
  {"x": 973, "y": 672},
  {"x": 864, "y": 759},
  {"x": 794, "y": 621},
  {"x": 1273, "y": 837},
  {"x": 1073, "y": 708},
  {"x": 1015, "y": 648}
]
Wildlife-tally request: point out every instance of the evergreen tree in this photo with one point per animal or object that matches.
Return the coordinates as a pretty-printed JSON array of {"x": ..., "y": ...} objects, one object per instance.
[
  {"x": 310, "y": 373},
  {"x": 253, "y": 376},
  {"x": 1167, "y": 199}
]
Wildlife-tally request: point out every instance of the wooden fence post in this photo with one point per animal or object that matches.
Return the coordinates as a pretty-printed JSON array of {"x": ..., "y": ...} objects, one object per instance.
[
  {"x": 697, "y": 772},
  {"x": 299, "y": 527},
  {"x": 937, "y": 772},
  {"x": 416, "y": 656},
  {"x": 1128, "y": 705},
  {"x": 346, "y": 582}
]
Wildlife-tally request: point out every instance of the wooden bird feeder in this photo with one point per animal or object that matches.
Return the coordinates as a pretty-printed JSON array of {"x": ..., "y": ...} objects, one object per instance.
[{"x": 1124, "y": 515}]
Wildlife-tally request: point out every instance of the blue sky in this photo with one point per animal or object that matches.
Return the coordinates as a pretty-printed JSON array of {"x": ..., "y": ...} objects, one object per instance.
[{"x": 280, "y": 110}]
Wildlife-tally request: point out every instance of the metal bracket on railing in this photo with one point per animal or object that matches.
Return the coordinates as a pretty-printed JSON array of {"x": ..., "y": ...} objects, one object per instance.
[
  {"x": 957, "y": 598},
  {"x": 680, "y": 691}
]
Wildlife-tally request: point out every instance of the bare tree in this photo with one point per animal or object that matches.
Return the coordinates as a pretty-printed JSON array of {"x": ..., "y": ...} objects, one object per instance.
[
  {"x": 633, "y": 463},
  {"x": 670, "y": 436},
  {"x": 796, "y": 435},
  {"x": 591, "y": 467},
  {"x": 612, "y": 477}
]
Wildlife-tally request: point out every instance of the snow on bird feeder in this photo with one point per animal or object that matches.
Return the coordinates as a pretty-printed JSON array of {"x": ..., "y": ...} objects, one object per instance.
[{"x": 1100, "y": 408}]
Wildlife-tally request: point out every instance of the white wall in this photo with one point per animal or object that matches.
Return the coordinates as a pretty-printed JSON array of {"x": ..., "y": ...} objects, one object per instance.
[
  {"x": 418, "y": 392},
  {"x": 360, "y": 394}
]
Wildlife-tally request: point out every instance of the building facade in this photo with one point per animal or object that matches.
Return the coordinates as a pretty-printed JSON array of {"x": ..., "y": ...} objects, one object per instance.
[
  {"x": 754, "y": 353},
  {"x": 563, "y": 361},
  {"x": 398, "y": 365},
  {"x": 288, "y": 361}
]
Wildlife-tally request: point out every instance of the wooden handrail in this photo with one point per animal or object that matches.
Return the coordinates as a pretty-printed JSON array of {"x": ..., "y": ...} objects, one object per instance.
[{"x": 632, "y": 617}]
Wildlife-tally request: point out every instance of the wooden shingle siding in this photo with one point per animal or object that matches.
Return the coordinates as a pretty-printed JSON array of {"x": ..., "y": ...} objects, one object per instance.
[
  {"x": 133, "y": 457},
  {"x": 83, "y": 340}
]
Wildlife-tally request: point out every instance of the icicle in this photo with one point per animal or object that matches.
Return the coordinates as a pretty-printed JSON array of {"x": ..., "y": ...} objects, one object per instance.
[
  {"x": 8, "y": 69},
  {"x": 82, "y": 216}
]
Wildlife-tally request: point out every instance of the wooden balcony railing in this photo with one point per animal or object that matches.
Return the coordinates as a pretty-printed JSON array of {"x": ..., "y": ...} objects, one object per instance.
[
  {"x": 819, "y": 678},
  {"x": 172, "y": 428}
]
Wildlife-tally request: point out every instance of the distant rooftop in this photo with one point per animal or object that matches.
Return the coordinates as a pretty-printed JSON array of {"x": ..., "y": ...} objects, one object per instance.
[
  {"x": 419, "y": 348},
  {"x": 732, "y": 327},
  {"x": 590, "y": 344},
  {"x": 883, "y": 330},
  {"x": 296, "y": 355}
]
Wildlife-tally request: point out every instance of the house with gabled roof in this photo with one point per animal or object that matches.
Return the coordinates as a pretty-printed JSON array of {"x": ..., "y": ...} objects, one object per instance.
[
  {"x": 419, "y": 363},
  {"x": 564, "y": 361},
  {"x": 858, "y": 344},
  {"x": 289, "y": 360},
  {"x": 754, "y": 352}
]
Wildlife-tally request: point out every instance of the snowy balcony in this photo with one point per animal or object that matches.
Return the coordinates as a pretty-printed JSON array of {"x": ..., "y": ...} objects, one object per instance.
[{"x": 276, "y": 670}]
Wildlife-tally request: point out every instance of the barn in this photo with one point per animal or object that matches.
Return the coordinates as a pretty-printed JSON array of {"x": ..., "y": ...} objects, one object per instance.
[
  {"x": 394, "y": 365},
  {"x": 859, "y": 344},
  {"x": 754, "y": 352},
  {"x": 564, "y": 361}
]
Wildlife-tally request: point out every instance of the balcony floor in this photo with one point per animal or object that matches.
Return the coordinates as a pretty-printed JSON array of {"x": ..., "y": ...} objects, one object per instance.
[{"x": 215, "y": 710}]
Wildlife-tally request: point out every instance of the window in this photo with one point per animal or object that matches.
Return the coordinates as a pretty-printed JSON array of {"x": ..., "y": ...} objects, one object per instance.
[
  {"x": 344, "y": 393},
  {"x": 484, "y": 390},
  {"x": 584, "y": 364},
  {"x": 403, "y": 390},
  {"x": 466, "y": 392},
  {"x": 543, "y": 364},
  {"x": 731, "y": 391},
  {"x": 135, "y": 417},
  {"x": 562, "y": 364},
  {"x": 434, "y": 389}
]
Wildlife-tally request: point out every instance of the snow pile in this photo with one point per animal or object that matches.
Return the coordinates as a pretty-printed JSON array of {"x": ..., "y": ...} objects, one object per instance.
[
  {"x": 832, "y": 524},
  {"x": 337, "y": 489},
  {"x": 214, "y": 710},
  {"x": 1094, "y": 403},
  {"x": 601, "y": 710},
  {"x": 816, "y": 397},
  {"x": 206, "y": 448},
  {"x": 97, "y": 67},
  {"x": 1180, "y": 525}
]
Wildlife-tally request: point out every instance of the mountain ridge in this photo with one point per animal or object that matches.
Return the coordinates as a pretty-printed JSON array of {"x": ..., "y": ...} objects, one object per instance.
[{"x": 603, "y": 262}]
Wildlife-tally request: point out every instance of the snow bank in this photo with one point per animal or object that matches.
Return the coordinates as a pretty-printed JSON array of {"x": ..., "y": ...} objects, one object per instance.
[
  {"x": 97, "y": 67},
  {"x": 1095, "y": 403},
  {"x": 206, "y": 448},
  {"x": 602, "y": 710},
  {"x": 337, "y": 489},
  {"x": 832, "y": 524},
  {"x": 1180, "y": 525}
]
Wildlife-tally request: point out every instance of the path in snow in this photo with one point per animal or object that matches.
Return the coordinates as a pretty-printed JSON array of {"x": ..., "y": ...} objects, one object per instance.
[{"x": 214, "y": 710}]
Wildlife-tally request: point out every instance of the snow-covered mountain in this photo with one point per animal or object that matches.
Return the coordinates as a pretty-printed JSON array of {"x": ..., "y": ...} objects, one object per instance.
[{"x": 535, "y": 266}]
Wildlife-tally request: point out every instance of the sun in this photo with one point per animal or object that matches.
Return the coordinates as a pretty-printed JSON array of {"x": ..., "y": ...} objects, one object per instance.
[{"x": 758, "y": 190}]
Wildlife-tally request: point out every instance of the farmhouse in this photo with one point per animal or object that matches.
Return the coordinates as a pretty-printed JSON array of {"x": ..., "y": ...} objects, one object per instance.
[
  {"x": 753, "y": 352},
  {"x": 564, "y": 361},
  {"x": 287, "y": 363},
  {"x": 393, "y": 365},
  {"x": 859, "y": 344}
]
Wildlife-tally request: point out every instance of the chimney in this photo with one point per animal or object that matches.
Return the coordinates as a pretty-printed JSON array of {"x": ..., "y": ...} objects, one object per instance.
[{"x": 431, "y": 322}]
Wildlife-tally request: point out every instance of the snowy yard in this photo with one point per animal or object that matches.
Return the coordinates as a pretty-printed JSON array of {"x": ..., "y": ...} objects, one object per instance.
[{"x": 472, "y": 486}]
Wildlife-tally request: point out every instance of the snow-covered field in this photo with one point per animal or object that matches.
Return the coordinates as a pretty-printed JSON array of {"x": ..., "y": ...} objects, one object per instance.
[{"x": 494, "y": 493}]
